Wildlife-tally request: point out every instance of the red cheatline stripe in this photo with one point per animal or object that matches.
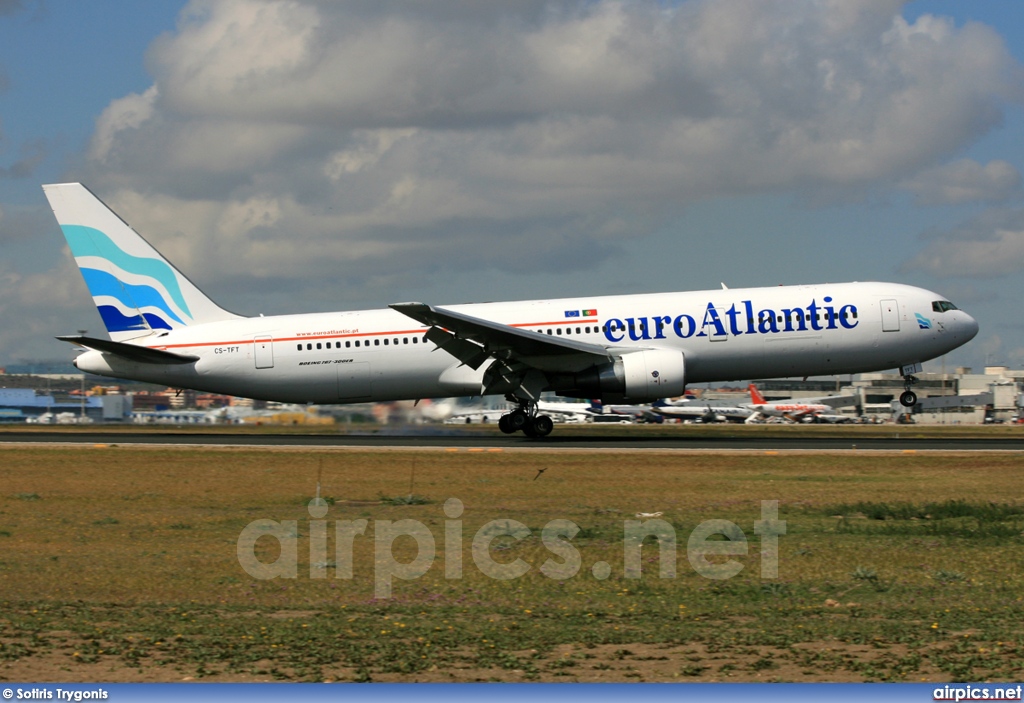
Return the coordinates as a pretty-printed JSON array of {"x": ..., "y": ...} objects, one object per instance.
[{"x": 313, "y": 338}]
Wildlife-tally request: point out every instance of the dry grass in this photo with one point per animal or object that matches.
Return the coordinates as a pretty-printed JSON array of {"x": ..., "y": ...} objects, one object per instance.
[{"x": 154, "y": 531}]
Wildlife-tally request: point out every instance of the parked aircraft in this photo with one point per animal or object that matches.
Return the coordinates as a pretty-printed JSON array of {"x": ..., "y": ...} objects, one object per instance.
[
  {"x": 798, "y": 409},
  {"x": 620, "y": 349},
  {"x": 630, "y": 413},
  {"x": 704, "y": 411}
]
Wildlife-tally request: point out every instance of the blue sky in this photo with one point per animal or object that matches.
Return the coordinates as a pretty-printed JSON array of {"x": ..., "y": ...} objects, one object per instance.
[{"x": 309, "y": 156}]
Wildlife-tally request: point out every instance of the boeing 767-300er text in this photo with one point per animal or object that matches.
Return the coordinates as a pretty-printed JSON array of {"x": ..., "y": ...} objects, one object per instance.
[{"x": 624, "y": 348}]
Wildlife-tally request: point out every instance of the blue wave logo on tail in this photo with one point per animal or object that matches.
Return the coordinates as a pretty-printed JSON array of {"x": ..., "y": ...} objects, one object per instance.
[{"x": 160, "y": 290}]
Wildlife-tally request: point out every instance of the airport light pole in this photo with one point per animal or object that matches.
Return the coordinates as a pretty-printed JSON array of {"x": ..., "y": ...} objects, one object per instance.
[{"x": 81, "y": 415}]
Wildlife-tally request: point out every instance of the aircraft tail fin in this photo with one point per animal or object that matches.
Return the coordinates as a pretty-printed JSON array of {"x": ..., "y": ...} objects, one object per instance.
[
  {"x": 755, "y": 395},
  {"x": 136, "y": 290}
]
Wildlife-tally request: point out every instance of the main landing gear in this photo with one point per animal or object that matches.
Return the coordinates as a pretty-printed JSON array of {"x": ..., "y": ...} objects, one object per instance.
[{"x": 525, "y": 419}]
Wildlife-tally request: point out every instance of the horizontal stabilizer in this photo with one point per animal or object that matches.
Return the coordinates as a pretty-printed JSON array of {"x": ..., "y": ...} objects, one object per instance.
[{"x": 132, "y": 352}]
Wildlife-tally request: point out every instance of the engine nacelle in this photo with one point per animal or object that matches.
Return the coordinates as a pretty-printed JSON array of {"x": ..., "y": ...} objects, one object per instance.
[{"x": 636, "y": 377}]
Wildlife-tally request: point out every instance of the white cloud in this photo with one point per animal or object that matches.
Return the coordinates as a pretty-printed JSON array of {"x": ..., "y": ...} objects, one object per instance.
[
  {"x": 1001, "y": 255},
  {"x": 129, "y": 112},
  {"x": 988, "y": 245},
  {"x": 516, "y": 135},
  {"x": 965, "y": 181}
]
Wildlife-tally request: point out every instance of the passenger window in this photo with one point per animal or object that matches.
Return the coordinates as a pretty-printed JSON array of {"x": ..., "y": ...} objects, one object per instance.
[
  {"x": 549, "y": 332},
  {"x": 405, "y": 340},
  {"x": 385, "y": 342},
  {"x": 300, "y": 347},
  {"x": 415, "y": 340},
  {"x": 348, "y": 345},
  {"x": 357, "y": 342},
  {"x": 376, "y": 342},
  {"x": 309, "y": 346}
]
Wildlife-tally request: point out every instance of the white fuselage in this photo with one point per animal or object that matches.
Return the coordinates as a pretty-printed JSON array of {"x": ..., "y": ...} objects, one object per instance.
[
  {"x": 728, "y": 334},
  {"x": 790, "y": 408}
]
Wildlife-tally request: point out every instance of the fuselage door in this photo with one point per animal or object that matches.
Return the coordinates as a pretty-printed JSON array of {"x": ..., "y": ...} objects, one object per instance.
[
  {"x": 890, "y": 316},
  {"x": 263, "y": 352},
  {"x": 716, "y": 324}
]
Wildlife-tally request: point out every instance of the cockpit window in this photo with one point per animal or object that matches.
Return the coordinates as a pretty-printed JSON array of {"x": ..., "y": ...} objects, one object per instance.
[{"x": 942, "y": 306}]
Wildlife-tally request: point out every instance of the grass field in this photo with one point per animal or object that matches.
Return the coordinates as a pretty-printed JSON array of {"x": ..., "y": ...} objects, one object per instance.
[{"x": 119, "y": 563}]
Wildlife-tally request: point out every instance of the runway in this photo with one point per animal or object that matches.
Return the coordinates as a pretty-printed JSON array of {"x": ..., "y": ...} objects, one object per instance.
[{"x": 441, "y": 440}]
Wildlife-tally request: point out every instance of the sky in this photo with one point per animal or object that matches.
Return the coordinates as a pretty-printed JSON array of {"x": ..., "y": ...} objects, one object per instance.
[{"x": 304, "y": 155}]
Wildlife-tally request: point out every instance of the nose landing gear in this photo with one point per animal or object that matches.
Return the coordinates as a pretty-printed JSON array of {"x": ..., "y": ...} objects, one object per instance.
[
  {"x": 908, "y": 398},
  {"x": 526, "y": 420}
]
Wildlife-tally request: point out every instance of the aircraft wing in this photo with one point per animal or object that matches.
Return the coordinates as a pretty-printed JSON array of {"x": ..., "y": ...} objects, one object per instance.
[
  {"x": 472, "y": 340},
  {"x": 839, "y": 401},
  {"x": 523, "y": 359}
]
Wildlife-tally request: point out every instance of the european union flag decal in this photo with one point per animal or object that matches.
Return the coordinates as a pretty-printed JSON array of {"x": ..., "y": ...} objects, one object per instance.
[
  {"x": 922, "y": 321},
  {"x": 572, "y": 313}
]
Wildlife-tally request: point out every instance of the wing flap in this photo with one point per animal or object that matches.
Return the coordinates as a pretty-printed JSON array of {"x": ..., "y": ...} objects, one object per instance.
[{"x": 502, "y": 341}]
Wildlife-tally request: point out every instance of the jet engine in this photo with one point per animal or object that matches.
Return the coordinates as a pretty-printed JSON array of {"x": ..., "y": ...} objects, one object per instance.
[{"x": 636, "y": 377}]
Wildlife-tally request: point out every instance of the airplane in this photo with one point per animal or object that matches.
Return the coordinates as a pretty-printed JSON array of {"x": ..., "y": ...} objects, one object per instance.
[
  {"x": 628, "y": 413},
  {"x": 830, "y": 419},
  {"x": 706, "y": 412},
  {"x": 797, "y": 409},
  {"x": 619, "y": 349},
  {"x": 570, "y": 412}
]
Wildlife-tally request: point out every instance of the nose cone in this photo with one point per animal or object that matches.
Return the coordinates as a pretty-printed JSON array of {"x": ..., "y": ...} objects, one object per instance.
[{"x": 970, "y": 327}]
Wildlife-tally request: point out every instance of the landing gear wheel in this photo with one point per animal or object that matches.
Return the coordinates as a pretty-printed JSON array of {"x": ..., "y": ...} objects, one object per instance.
[
  {"x": 504, "y": 426},
  {"x": 908, "y": 399},
  {"x": 542, "y": 426},
  {"x": 517, "y": 420}
]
